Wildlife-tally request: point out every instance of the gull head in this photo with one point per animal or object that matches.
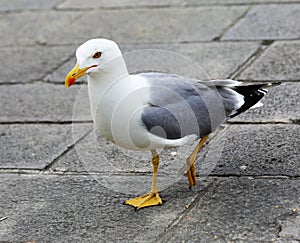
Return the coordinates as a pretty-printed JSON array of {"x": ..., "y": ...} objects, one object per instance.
[{"x": 93, "y": 56}]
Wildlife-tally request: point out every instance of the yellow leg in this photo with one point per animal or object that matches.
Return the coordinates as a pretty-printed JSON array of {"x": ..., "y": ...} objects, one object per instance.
[
  {"x": 152, "y": 198},
  {"x": 190, "y": 162}
]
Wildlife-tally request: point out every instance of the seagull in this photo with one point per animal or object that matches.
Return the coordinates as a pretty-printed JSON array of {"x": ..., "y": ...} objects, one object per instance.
[{"x": 148, "y": 111}]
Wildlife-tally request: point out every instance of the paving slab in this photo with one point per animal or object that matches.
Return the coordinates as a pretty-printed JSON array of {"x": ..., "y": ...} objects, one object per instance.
[
  {"x": 74, "y": 208},
  {"x": 241, "y": 150},
  {"x": 201, "y": 60},
  {"x": 219, "y": 60},
  {"x": 97, "y": 155},
  {"x": 102, "y": 4},
  {"x": 175, "y": 25},
  {"x": 241, "y": 210},
  {"x": 25, "y": 64},
  {"x": 12, "y": 5},
  {"x": 65, "y": 27},
  {"x": 40, "y": 102},
  {"x": 267, "y": 22},
  {"x": 258, "y": 150},
  {"x": 93, "y": 154},
  {"x": 229, "y": 209},
  {"x": 281, "y": 61},
  {"x": 35, "y": 28},
  {"x": 34, "y": 146},
  {"x": 281, "y": 104},
  {"x": 197, "y": 60}
]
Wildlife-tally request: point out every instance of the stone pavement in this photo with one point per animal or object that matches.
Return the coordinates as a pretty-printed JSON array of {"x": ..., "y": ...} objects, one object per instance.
[{"x": 57, "y": 185}]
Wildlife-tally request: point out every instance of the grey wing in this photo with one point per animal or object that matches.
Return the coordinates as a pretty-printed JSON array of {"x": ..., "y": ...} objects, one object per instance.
[{"x": 179, "y": 106}]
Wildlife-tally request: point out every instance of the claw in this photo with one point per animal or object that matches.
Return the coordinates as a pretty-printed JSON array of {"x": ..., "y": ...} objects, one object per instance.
[{"x": 148, "y": 200}]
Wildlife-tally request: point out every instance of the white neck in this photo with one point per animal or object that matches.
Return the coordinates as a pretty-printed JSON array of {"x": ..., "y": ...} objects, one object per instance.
[{"x": 100, "y": 82}]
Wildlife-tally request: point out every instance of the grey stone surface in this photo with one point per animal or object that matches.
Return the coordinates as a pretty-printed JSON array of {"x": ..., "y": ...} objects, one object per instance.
[
  {"x": 75, "y": 208},
  {"x": 35, "y": 146},
  {"x": 36, "y": 28},
  {"x": 70, "y": 27},
  {"x": 58, "y": 75},
  {"x": 268, "y": 22},
  {"x": 240, "y": 210},
  {"x": 240, "y": 150},
  {"x": 281, "y": 61},
  {"x": 290, "y": 229},
  {"x": 281, "y": 104},
  {"x": 258, "y": 150},
  {"x": 24, "y": 64},
  {"x": 201, "y": 60},
  {"x": 98, "y": 155},
  {"x": 11, "y": 5},
  {"x": 143, "y": 25},
  {"x": 43, "y": 102},
  {"x": 93, "y": 154},
  {"x": 219, "y": 60},
  {"x": 92, "y": 4}
]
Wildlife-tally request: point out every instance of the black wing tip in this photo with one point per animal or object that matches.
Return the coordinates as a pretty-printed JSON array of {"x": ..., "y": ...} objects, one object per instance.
[{"x": 252, "y": 95}]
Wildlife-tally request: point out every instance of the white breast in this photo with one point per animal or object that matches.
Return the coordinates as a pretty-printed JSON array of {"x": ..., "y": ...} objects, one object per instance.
[{"x": 116, "y": 110}]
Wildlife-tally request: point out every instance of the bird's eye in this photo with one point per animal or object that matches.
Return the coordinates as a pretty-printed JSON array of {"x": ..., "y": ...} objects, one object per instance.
[{"x": 97, "y": 54}]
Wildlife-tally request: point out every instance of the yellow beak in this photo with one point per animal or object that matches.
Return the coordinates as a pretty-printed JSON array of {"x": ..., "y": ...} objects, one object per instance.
[{"x": 75, "y": 74}]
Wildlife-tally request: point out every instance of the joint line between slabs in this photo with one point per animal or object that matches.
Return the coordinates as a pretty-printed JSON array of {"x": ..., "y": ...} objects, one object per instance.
[
  {"x": 218, "y": 38},
  {"x": 50, "y": 165},
  {"x": 250, "y": 60},
  {"x": 57, "y": 67},
  {"x": 163, "y": 237},
  {"x": 287, "y": 122}
]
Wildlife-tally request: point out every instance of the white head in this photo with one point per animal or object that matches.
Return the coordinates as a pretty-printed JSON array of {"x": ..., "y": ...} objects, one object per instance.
[{"x": 92, "y": 57}]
